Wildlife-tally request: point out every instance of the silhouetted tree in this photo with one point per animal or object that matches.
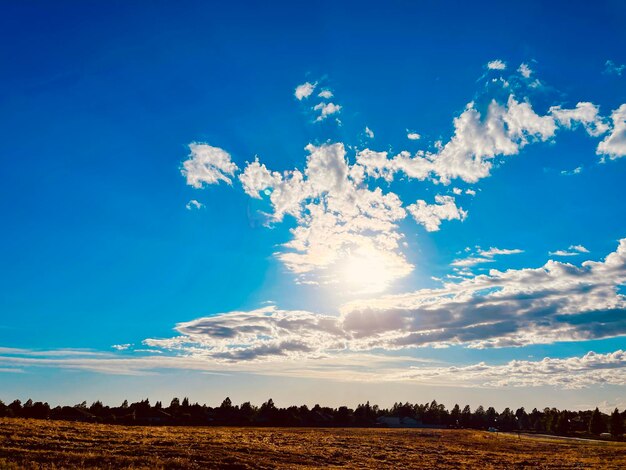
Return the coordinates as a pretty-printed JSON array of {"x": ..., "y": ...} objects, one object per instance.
[
  {"x": 466, "y": 417},
  {"x": 616, "y": 424},
  {"x": 562, "y": 425},
  {"x": 364, "y": 415},
  {"x": 506, "y": 420},
  {"x": 16, "y": 408},
  {"x": 455, "y": 415},
  {"x": 480, "y": 418},
  {"x": 596, "y": 424},
  {"x": 550, "y": 419},
  {"x": 246, "y": 413},
  {"x": 523, "y": 421}
]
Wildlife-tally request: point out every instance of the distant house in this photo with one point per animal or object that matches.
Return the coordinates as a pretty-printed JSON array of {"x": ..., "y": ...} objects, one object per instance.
[{"x": 396, "y": 422}]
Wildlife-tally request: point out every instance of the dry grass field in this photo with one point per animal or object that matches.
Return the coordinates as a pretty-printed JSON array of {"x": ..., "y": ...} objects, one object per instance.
[{"x": 57, "y": 444}]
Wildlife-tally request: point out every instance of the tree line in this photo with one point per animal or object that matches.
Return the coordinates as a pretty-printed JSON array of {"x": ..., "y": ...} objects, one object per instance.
[{"x": 433, "y": 414}]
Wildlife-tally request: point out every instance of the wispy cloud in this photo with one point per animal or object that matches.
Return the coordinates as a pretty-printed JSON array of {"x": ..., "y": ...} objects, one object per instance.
[
  {"x": 573, "y": 250},
  {"x": 575, "y": 171},
  {"x": 611, "y": 68},
  {"x": 193, "y": 204},
  {"x": 525, "y": 70},
  {"x": 562, "y": 373},
  {"x": 479, "y": 256}
]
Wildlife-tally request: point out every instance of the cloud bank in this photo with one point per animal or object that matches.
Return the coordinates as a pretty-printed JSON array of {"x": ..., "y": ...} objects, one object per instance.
[{"x": 553, "y": 303}]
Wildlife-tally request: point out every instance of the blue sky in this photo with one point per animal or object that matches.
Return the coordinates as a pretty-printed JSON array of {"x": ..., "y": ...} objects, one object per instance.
[{"x": 350, "y": 257}]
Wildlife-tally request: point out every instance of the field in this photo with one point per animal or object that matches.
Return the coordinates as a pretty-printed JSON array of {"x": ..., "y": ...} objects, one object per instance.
[{"x": 58, "y": 444}]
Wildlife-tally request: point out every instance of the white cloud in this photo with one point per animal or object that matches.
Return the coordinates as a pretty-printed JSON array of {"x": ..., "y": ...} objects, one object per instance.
[
  {"x": 484, "y": 256},
  {"x": 431, "y": 215},
  {"x": 496, "y": 65},
  {"x": 614, "y": 145},
  {"x": 525, "y": 70},
  {"x": 553, "y": 303},
  {"x": 305, "y": 90},
  {"x": 413, "y": 136},
  {"x": 585, "y": 113},
  {"x": 575, "y": 171},
  {"x": 293, "y": 361},
  {"x": 207, "y": 165},
  {"x": 491, "y": 252},
  {"x": 121, "y": 347},
  {"x": 256, "y": 177},
  {"x": 469, "y": 154},
  {"x": 375, "y": 164},
  {"x": 340, "y": 221},
  {"x": 193, "y": 204},
  {"x": 326, "y": 94},
  {"x": 326, "y": 109},
  {"x": 344, "y": 218},
  {"x": 573, "y": 250},
  {"x": 369, "y": 132},
  {"x": 471, "y": 261},
  {"x": 258, "y": 334},
  {"x": 556, "y": 302},
  {"x": 563, "y": 253},
  {"x": 568, "y": 373},
  {"x": 611, "y": 67}
]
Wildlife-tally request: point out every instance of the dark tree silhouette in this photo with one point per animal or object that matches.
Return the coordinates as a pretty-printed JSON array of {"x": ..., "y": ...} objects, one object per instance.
[
  {"x": 617, "y": 424},
  {"x": 596, "y": 424},
  {"x": 562, "y": 424},
  {"x": 429, "y": 414}
]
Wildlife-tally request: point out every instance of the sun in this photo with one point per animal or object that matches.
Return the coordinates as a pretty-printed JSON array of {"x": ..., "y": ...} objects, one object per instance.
[{"x": 365, "y": 271}]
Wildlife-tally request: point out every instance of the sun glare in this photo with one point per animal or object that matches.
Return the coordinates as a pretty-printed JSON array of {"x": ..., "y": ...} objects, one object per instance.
[{"x": 365, "y": 271}]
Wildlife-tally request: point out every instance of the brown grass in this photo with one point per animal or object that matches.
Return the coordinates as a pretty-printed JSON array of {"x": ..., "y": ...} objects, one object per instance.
[{"x": 57, "y": 444}]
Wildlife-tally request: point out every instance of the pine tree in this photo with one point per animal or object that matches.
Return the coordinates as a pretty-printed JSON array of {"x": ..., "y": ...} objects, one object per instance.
[
  {"x": 617, "y": 424},
  {"x": 562, "y": 424},
  {"x": 596, "y": 425}
]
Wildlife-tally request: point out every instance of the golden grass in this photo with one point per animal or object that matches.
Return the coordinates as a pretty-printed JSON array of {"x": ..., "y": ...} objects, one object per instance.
[{"x": 58, "y": 444}]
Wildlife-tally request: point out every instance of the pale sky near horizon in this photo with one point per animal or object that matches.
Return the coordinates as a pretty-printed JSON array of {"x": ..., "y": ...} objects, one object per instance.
[{"x": 398, "y": 201}]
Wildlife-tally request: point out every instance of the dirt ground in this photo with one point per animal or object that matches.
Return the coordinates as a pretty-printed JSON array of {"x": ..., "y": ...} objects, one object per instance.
[{"x": 58, "y": 444}]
